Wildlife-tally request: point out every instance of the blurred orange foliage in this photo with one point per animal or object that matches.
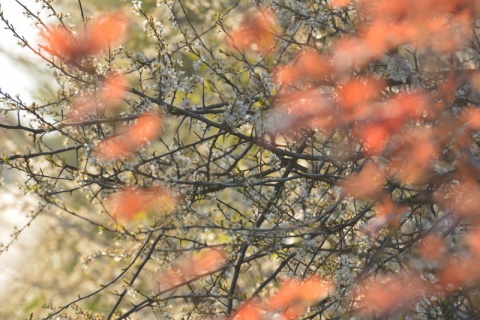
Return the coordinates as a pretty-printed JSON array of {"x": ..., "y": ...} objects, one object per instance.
[
  {"x": 250, "y": 310},
  {"x": 190, "y": 268},
  {"x": 432, "y": 248},
  {"x": 129, "y": 203},
  {"x": 387, "y": 215},
  {"x": 367, "y": 183},
  {"x": 145, "y": 129},
  {"x": 308, "y": 65},
  {"x": 401, "y": 132},
  {"x": 111, "y": 93},
  {"x": 384, "y": 293},
  {"x": 257, "y": 31},
  {"x": 292, "y": 299},
  {"x": 293, "y": 292},
  {"x": 340, "y": 3},
  {"x": 105, "y": 30}
]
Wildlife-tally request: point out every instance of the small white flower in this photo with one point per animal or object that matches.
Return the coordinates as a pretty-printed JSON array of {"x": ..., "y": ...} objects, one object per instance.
[{"x": 399, "y": 68}]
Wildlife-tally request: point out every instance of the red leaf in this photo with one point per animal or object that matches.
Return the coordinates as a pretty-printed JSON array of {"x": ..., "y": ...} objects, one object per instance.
[
  {"x": 375, "y": 137},
  {"x": 146, "y": 128},
  {"x": 248, "y": 311},
  {"x": 365, "y": 184},
  {"x": 256, "y": 32},
  {"x": 104, "y": 30},
  {"x": 340, "y": 3},
  {"x": 432, "y": 248},
  {"x": 187, "y": 269},
  {"x": 297, "y": 292},
  {"x": 130, "y": 202}
]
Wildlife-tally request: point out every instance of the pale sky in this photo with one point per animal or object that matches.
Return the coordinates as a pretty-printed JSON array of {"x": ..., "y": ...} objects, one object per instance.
[{"x": 15, "y": 78}]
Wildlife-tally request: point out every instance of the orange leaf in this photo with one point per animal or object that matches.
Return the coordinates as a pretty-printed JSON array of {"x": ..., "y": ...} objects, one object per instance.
[
  {"x": 103, "y": 31},
  {"x": 106, "y": 30},
  {"x": 256, "y": 32},
  {"x": 458, "y": 272},
  {"x": 473, "y": 242},
  {"x": 367, "y": 183},
  {"x": 287, "y": 293},
  {"x": 114, "y": 89},
  {"x": 113, "y": 148},
  {"x": 187, "y": 269},
  {"x": 208, "y": 260},
  {"x": 146, "y": 128},
  {"x": 286, "y": 75},
  {"x": 432, "y": 248},
  {"x": 471, "y": 116},
  {"x": 293, "y": 311},
  {"x": 377, "y": 38},
  {"x": 387, "y": 215},
  {"x": 461, "y": 199},
  {"x": 129, "y": 202},
  {"x": 63, "y": 44},
  {"x": 306, "y": 108},
  {"x": 358, "y": 92},
  {"x": 311, "y": 64},
  {"x": 248, "y": 311},
  {"x": 314, "y": 289},
  {"x": 297, "y": 292},
  {"x": 375, "y": 136},
  {"x": 308, "y": 64},
  {"x": 413, "y": 156},
  {"x": 340, "y": 3},
  {"x": 388, "y": 293}
]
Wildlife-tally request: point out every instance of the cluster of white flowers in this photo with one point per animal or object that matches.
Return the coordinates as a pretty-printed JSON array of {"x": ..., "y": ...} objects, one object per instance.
[
  {"x": 137, "y": 6},
  {"x": 399, "y": 68},
  {"x": 236, "y": 113},
  {"x": 197, "y": 64},
  {"x": 346, "y": 274},
  {"x": 298, "y": 7}
]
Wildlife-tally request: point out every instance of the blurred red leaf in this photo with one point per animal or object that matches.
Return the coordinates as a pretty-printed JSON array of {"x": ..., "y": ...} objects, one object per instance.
[
  {"x": 113, "y": 148},
  {"x": 306, "y": 109},
  {"x": 114, "y": 88},
  {"x": 145, "y": 129},
  {"x": 208, "y": 260},
  {"x": 308, "y": 65},
  {"x": 257, "y": 31},
  {"x": 64, "y": 44},
  {"x": 187, "y": 269},
  {"x": 294, "y": 293},
  {"x": 340, "y": 3},
  {"x": 412, "y": 155},
  {"x": 130, "y": 202},
  {"x": 473, "y": 242},
  {"x": 249, "y": 310},
  {"x": 367, "y": 183},
  {"x": 386, "y": 293},
  {"x": 387, "y": 215},
  {"x": 71, "y": 47},
  {"x": 458, "y": 272},
  {"x": 462, "y": 199},
  {"x": 471, "y": 116},
  {"x": 106, "y": 30},
  {"x": 355, "y": 95},
  {"x": 111, "y": 92},
  {"x": 375, "y": 136},
  {"x": 432, "y": 248}
]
